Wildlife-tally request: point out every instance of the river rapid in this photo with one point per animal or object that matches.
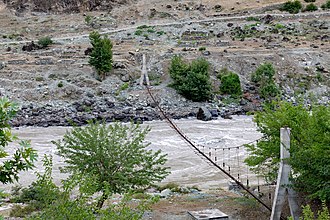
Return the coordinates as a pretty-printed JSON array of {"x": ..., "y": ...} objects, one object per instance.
[{"x": 187, "y": 168}]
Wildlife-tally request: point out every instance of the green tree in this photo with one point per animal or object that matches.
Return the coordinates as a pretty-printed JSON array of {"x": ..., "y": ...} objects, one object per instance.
[
  {"x": 23, "y": 157},
  {"x": 101, "y": 55},
  {"x": 230, "y": 83},
  {"x": 310, "y": 146},
  {"x": 111, "y": 158},
  {"x": 264, "y": 78},
  {"x": 191, "y": 80}
]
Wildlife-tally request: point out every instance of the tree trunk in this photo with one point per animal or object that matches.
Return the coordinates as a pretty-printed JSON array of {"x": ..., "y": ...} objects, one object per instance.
[{"x": 102, "y": 200}]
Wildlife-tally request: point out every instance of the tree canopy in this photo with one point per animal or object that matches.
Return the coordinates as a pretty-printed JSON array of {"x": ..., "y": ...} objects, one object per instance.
[
  {"x": 111, "y": 158},
  {"x": 310, "y": 146}
]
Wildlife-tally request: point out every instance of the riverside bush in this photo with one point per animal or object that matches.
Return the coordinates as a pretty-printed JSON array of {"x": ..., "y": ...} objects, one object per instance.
[
  {"x": 230, "y": 83},
  {"x": 191, "y": 80},
  {"x": 292, "y": 7},
  {"x": 264, "y": 78}
]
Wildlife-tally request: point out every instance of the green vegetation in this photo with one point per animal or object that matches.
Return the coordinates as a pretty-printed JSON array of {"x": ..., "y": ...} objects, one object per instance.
[
  {"x": 326, "y": 5},
  {"x": 23, "y": 157},
  {"x": 110, "y": 159},
  {"x": 101, "y": 56},
  {"x": 310, "y": 151},
  {"x": 253, "y": 19},
  {"x": 310, "y": 7},
  {"x": 60, "y": 84},
  {"x": 264, "y": 78},
  {"x": 309, "y": 215},
  {"x": 191, "y": 80},
  {"x": 310, "y": 1},
  {"x": 138, "y": 32},
  {"x": 89, "y": 20},
  {"x": 202, "y": 48},
  {"x": 230, "y": 83},
  {"x": 45, "y": 42},
  {"x": 292, "y": 7}
]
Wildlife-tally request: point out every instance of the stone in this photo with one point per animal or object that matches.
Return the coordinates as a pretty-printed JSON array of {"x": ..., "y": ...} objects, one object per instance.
[
  {"x": 165, "y": 193},
  {"x": 204, "y": 114}
]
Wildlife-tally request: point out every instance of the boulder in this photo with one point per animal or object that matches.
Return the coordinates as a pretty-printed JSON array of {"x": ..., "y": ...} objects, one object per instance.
[{"x": 204, "y": 114}]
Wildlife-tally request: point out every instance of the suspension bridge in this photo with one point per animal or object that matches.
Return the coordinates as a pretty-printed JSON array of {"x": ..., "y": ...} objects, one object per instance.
[{"x": 228, "y": 160}]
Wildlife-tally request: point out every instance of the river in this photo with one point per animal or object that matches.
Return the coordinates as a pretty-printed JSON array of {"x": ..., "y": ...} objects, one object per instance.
[{"x": 187, "y": 168}]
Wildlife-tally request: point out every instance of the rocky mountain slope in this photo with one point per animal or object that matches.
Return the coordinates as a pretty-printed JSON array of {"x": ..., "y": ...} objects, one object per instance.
[{"x": 55, "y": 85}]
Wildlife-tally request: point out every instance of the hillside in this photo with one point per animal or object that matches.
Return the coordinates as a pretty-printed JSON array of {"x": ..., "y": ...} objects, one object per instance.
[{"x": 55, "y": 84}]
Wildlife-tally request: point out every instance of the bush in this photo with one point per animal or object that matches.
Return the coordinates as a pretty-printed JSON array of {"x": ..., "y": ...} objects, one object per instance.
[
  {"x": 230, "y": 83},
  {"x": 292, "y": 7},
  {"x": 45, "y": 42},
  {"x": 310, "y": 1},
  {"x": 110, "y": 159},
  {"x": 310, "y": 7},
  {"x": 326, "y": 5},
  {"x": 310, "y": 151},
  {"x": 191, "y": 80},
  {"x": 101, "y": 55},
  {"x": 263, "y": 77}
]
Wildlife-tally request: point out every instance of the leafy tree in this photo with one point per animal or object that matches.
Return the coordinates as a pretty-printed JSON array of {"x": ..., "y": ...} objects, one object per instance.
[
  {"x": 111, "y": 158},
  {"x": 23, "y": 157},
  {"x": 310, "y": 146},
  {"x": 264, "y": 78},
  {"x": 101, "y": 55},
  {"x": 230, "y": 83},
  {"x": 191, "y": 80}
]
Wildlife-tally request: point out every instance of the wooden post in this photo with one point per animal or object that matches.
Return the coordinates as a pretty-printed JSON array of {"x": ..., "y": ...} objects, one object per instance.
[
  {"x": 282, "y": 186},
  {"x": 144, "y": 73}
]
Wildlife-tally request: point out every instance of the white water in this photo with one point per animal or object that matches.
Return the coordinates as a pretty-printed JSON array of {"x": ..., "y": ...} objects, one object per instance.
[{"x": 187, "y": 168}]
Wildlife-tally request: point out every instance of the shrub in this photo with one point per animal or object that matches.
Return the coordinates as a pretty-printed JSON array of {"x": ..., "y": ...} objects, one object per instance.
[
  {"x": 310, "y": 1},
  {"x": 110, "y": 159},
  {"x": 191, "y": 80},
  {"x": 230, "y": 83},
  {"x": 101, "y": 55},
  {"x": 45, "y": 42},
  {"x": 202, "y": 48},
  {"x": 310, "y": 7},
  {"x": 263, "y": 77},
  {"x": 326, "y": 5},
  {"x": 292, "y": 7}
]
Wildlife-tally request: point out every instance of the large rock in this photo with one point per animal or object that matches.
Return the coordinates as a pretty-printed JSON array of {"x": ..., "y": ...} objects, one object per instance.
[{"x": 204, "y": 114}]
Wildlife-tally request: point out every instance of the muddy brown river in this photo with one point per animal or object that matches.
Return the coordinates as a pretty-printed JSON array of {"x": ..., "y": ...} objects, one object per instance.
[{"x": 187, "y": 168}]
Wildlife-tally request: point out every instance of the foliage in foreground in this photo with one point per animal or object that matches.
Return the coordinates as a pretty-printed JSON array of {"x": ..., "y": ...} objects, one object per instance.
[
  {"x": 101, "y": 55},
  {"x": 310, "y": 146},
  {"x": 191, "y": 80},
  {"x": 307, "y": 213},
  {"x": 23, "y": 157},
  {"x": 52, "y": 202},
  {"x": 110, "y": 159}
]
